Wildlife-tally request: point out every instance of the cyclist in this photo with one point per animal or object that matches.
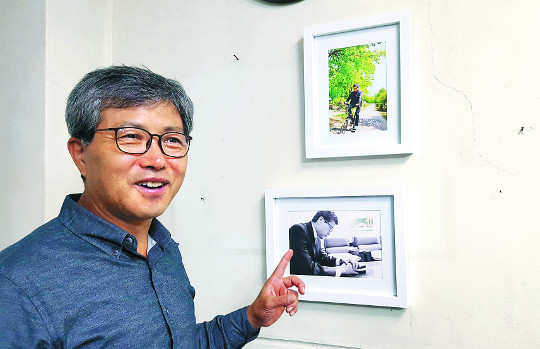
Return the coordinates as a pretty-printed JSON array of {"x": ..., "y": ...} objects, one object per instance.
[{"x": 354, "y": 101}]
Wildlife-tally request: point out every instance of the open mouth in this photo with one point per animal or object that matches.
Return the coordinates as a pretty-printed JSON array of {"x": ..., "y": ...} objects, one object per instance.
[{"x": 152, "y": 185}]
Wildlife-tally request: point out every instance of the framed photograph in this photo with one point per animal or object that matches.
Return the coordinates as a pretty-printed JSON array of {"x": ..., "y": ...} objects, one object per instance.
[
  {"x": 356, "y": 82},
  {"x": 349, "y": 244}
]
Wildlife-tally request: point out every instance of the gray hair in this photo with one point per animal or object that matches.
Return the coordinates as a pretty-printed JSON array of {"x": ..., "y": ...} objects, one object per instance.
[{"x": 121, "y": 87}]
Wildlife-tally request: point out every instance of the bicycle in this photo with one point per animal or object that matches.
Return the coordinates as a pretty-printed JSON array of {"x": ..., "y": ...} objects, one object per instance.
[{"x": 348, "y": 123}]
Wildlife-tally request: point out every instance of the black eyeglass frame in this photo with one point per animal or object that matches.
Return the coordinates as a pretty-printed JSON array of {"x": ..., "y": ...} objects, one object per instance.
[
  {"x": 149, "y": 143},
  {"x": 330, "y": 225}
]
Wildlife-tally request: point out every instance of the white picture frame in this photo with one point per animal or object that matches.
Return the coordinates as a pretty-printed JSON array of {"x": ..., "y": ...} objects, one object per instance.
[
  {"x": 384, "y": 129},
  {"x": 385, "y": 283}
]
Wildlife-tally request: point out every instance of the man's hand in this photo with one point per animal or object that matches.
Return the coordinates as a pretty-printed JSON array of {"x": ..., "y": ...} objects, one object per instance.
[
  {"x": 276, "y": 296},
  {"x": 354, "y": 261},
  {"x": 346, "y": 269}
]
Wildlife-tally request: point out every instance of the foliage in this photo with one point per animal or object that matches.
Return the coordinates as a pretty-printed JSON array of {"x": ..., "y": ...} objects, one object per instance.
[
  {"x": 351, "y": 65},
  {"x": 369, "y": 99},
  {"x": 380, "y": 99}
]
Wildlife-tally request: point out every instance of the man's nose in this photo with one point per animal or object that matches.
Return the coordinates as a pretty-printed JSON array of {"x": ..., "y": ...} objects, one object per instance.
[{"x": 154, "y": 157}]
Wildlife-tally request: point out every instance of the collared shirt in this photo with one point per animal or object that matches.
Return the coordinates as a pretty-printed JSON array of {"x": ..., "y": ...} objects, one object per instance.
[{"x": 78, "y": 281}]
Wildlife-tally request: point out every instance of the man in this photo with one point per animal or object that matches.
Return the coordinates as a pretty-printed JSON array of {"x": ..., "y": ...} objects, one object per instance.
[
  {"x": 354, "y": 101},
  {"x": 309, "y": 258},
  {"x": 105, "y": 272}
]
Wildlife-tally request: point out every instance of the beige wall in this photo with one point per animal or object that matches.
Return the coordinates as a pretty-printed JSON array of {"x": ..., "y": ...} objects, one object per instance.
[
  {"x": 471, "y": 183},
  {"x": 78, "y": 41},
  {"x": 22, "y": 111}
]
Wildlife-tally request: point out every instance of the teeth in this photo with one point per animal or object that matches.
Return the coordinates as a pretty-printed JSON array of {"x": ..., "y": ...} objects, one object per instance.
[{"x": 151, "y": 184}]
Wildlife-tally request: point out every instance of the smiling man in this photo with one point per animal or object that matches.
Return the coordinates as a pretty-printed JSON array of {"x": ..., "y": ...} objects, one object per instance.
[
  {"x": 105, "y": 272},
  {"x": 134, "y": 166}
]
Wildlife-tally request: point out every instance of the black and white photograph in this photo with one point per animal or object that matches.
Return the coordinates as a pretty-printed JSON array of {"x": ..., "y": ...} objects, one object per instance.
[
  {"x": 336, "y": 243},
  {"x": 348, "y": 244}
]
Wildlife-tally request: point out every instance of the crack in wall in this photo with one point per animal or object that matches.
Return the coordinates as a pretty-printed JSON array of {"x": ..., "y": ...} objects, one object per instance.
[{"x": 461, "y": 93}]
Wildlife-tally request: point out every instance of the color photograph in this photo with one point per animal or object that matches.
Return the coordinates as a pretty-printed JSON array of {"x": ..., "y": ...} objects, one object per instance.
[
  {"x": 357, "y": 88},
  {"x": 356, "y": 78}
]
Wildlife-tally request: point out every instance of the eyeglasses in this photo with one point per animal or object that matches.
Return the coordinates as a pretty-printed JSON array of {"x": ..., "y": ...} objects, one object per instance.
[
  {"x": 330, "y": 225},
  {"x": 135, "y": 140}
]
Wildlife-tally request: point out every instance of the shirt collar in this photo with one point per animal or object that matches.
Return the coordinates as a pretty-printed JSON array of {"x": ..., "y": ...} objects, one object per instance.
[
  {"x": 314, "y": 231},
  {"x": 102, "y": 234}
]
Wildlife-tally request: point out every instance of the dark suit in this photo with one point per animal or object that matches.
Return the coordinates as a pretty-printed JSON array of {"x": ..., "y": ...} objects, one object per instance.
[{"x": 307, "y": 258}]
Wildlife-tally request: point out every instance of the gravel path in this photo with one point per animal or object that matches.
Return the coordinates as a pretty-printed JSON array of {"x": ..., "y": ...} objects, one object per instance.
[{"x": 370, "y": 119}]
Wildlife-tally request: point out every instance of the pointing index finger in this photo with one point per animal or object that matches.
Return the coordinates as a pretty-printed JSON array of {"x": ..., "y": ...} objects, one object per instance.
[{"x": 280, "y": 269}]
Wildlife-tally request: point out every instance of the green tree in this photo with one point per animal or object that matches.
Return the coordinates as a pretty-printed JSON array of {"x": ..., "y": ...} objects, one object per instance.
[
  {"x": 351, "y": 65},
  {"x": 380, "y": 99}
]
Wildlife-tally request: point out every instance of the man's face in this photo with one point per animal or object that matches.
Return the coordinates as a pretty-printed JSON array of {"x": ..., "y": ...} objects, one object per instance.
[
  {"x": 355, "y": 89},
  {"x": 130, "y": 188},
  {"x": 323, "y": 228}
]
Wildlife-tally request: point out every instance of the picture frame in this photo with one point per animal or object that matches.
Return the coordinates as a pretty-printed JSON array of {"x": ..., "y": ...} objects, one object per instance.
[
  {"x": 374, "y": 53},
  {"x": 369, "y": 219}
]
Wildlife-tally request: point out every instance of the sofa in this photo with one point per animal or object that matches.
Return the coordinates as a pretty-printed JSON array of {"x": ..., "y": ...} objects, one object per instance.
[{"x": 337, "y": 246}]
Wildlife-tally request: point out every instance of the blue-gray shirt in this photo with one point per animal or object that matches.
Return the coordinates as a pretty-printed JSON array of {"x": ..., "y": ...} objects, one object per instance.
[{"x": 78, "y": 281}]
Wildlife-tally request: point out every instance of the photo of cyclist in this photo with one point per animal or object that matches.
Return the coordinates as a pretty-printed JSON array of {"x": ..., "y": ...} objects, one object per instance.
[{"x": 354, "y": 101}]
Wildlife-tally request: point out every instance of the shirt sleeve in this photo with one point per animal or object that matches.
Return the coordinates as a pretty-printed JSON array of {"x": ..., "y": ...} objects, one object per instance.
[
  {"x": 21, "y": 326},
  {"x": 226, "y": 331}
]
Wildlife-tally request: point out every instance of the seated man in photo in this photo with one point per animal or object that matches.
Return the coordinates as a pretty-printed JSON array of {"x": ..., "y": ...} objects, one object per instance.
[{"x": 309, "y": 258}]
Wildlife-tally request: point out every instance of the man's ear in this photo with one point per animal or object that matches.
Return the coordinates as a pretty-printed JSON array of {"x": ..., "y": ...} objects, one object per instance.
[{"x": 77, "y": 151}]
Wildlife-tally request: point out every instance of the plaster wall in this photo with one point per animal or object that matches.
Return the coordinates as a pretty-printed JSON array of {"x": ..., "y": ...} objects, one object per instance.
[
  {"x": 22, "y": 110},
  {"x": 471, "y": 183},
  {"x": 78, "y": 41}
]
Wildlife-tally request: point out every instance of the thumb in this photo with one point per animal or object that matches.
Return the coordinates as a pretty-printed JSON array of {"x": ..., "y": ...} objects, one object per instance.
[{"x": 281, "y": 301}]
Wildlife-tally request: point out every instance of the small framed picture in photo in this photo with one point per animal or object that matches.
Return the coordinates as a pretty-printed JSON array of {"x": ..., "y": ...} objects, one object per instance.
[
  {"x": 348, "y": 244},
  {"x": 356, "y": 82}
]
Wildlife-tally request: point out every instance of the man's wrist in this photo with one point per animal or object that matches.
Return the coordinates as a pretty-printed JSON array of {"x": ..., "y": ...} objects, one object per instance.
[
  {"x": 251, "y": 318},
  {"x": 339, "y": 270}
]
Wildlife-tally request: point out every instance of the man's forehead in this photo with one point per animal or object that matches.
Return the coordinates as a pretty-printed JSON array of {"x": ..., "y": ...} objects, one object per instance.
[
  {"x": 165, "y": 128},
  {"x": 163, "y": 116}
]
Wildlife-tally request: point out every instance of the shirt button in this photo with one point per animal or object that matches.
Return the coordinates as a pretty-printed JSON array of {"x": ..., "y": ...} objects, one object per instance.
[
  {"x": 115, "y": 253},
  {"x": 167, "y": 311},
  {"x": 129, "y": 240}
]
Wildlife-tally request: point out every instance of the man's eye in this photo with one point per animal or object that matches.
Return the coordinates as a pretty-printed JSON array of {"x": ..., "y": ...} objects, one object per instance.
[
  {"x": 174, "y": 140},
  {"x": 129, "y": 136}
]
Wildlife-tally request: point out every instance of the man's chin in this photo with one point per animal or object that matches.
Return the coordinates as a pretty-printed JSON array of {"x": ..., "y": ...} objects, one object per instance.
[
  {"x": 154, "y": 213},
  {"x": 148, "y": 213},
  {"x": 152, "y": 208}
]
